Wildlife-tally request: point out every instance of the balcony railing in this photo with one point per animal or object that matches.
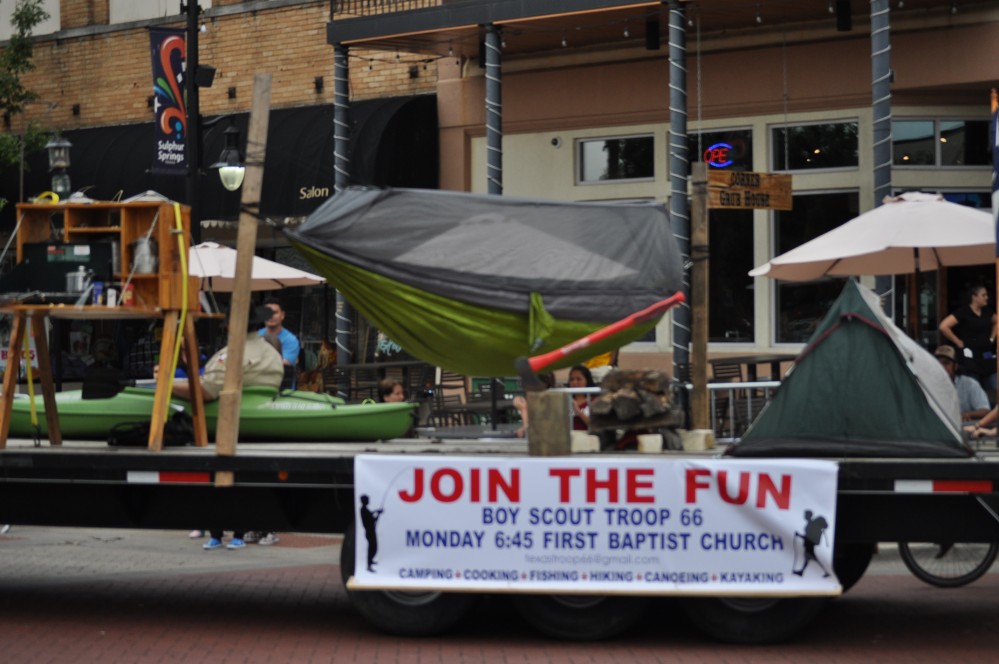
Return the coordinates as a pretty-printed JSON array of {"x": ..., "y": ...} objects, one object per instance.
[{"x": 354, "y": 8}]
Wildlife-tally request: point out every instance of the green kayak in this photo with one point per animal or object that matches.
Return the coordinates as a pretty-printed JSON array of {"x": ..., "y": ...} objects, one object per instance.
[{"x": 265, "y": 415}]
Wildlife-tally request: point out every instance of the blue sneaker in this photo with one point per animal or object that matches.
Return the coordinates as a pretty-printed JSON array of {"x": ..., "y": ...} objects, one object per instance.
[
  {"x": 212, "y": 544},
  {"x": 236, "y": 543}
]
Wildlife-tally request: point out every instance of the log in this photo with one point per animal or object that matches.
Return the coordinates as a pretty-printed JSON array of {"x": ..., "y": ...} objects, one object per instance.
[{"x": 634, "y": 400}]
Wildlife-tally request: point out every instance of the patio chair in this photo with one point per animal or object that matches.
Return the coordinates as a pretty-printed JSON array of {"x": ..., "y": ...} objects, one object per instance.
[{"x": 725, "y": 400}]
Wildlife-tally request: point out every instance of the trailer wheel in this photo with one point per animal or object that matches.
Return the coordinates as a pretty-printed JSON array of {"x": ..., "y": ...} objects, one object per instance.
[
  {"x": 417, "y": 613},
  {"x": 580, "y": 617},
  {"x": 752, "y": 620},
  {"x": 850, "y": 561}
]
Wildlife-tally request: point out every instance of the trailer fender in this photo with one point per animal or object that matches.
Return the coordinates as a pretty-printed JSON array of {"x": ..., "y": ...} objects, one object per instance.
[
  {"x": 850, "y": 561},
  {"x": 420, "y": 613}
]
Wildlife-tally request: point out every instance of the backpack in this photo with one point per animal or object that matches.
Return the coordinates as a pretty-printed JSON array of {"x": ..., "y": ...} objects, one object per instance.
[{"x": 177, "y": 431}]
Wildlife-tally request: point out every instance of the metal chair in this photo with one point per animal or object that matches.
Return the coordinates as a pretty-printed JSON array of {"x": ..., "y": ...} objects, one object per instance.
[{"x": 726, "y": 414}]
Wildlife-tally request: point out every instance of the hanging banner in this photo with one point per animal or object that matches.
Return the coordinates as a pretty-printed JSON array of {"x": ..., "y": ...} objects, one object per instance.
[
  {"x": 169, "y": 50},
  {"x": 595, "y": 525}
]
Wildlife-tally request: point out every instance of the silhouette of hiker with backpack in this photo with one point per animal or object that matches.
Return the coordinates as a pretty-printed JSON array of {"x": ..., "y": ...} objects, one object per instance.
[{"x": 815, "y": 533}]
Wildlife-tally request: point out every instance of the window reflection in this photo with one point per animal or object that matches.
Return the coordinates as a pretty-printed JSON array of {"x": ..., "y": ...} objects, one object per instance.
[
  {"x": 800, "y": 307},
  {"x": 629, "y": 158},
  {"x": 730, "y": 298},
  {"x": 940, "y": 143},
  {"x": 803, "y": 147}
]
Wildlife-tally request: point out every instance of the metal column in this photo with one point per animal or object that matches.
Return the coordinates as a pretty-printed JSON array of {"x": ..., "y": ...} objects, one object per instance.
[
  {"x": 494, "y": 111},
  {"x": 881, "y": 95},
  {"x": 341, "y": 178},
  {"x": 679, "y": 167}
]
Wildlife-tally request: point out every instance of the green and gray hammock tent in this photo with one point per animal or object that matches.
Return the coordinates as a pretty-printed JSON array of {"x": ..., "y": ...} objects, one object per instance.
[{"x": 472, "y": 282}]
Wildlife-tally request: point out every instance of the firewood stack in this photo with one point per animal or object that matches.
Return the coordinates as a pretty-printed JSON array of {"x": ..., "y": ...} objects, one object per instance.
[{"x": 636, "y": 400}]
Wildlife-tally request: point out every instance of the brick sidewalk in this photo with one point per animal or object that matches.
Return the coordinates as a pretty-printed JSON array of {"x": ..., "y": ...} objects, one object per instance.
[{"x": 82, "y": 596}]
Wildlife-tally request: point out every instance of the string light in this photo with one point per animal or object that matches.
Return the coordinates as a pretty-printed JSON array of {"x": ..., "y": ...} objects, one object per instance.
[
  {"x": 953, "y": 7},
  {"x": 759, "y": 18},
  {"x": 832, "y": 10},
  {"x": 450, "y": 50},
  {"x": 627, "y": 34},
  {"x": 565, "y": 42}
]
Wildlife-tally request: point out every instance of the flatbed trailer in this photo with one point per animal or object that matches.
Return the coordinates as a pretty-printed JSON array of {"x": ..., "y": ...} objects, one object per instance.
[{"x": 309, "y": 487}]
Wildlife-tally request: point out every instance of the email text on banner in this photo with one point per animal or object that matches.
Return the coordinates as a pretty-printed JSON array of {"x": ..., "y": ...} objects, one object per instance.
[{"x": 617, "y": 525}]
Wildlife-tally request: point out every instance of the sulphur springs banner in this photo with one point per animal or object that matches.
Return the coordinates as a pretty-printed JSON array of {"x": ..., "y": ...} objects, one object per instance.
[
  {"x": 662, "y": 526},
  {"x": 169, "y": 50}
]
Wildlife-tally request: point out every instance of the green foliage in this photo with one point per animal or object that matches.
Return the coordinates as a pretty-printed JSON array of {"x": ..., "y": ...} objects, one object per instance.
[
  {"x": 35, "y": 139},
  {"x": 15, "y": 60}
]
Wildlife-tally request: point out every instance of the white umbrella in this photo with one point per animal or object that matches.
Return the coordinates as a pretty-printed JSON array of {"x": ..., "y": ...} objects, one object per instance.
[
  {"x": 216, "y": 264},
  {"x": 911, "y": 233}
]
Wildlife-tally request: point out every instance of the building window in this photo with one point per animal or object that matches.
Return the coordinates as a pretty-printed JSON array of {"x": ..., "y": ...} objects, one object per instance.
[
  {"x": 730, "y": 150},
  {"x": 815, "y": 146},
  {"x": 800, "y": 307},
  {"x": 940, "y": 143},
  {"x": 730, "y": 295},
  {"x": 623, "y": 158}
]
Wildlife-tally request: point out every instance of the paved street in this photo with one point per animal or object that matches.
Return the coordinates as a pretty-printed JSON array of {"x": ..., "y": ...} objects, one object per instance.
[{"x": 81, "y": 596}]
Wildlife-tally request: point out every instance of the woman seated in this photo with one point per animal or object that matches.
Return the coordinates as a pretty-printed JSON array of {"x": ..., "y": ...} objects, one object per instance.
[{"x": 580, "y": 376}]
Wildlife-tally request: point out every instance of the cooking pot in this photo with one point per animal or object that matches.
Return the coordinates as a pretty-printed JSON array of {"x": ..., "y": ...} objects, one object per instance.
[
  {"x": 144, "y": 256},
  {"x": 77, "y": 282}
]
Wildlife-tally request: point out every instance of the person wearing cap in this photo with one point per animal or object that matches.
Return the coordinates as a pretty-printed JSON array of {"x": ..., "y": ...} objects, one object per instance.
[
  {"x": 973, "y": 401},
  {"x": 262, "y": 364}
]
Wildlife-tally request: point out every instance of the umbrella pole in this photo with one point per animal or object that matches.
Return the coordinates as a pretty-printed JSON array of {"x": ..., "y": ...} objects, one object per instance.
[{"x": 919, "y": 304}]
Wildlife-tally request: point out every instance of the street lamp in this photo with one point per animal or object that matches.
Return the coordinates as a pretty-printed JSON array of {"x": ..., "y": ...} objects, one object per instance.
[
  {"x": 230, "y": 164},
  {"x": 58, "y": 148}
]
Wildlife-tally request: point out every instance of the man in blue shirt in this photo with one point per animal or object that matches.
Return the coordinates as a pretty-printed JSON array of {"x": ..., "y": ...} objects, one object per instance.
[
  {"x": 973, "y": 401},
  {"x": 290, "y": 346}
]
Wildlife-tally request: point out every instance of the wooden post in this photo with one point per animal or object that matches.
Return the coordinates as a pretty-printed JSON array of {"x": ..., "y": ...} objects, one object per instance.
[
  {"x": 10, "y": 373},
  {"x": 45, "y": 376},
  {"x": 227, "y": 429},
  {"x": 548, "y": 424},
  {"x": 197, "y": 399},
  {"x": 699, "y": 403}
]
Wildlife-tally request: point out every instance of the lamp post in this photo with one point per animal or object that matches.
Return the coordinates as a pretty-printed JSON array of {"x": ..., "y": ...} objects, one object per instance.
[
  {"x": 58, "y": 148},
  {"x": 230, "y": 164}
]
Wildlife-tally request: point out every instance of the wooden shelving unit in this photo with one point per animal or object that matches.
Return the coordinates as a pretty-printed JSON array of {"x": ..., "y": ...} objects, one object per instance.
[
  {"x": 122, "y": 224},
  {"x": 157, "y": 294}
]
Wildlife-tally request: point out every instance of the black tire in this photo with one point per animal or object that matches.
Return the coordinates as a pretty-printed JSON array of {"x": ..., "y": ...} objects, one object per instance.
[
  {"x": 417, "y": 613},
  {"x": 850, "y": 561},
  {"x": 580, "y": 617},
  {"x": 752, "y": 620},
  {"x": 948, "y": 565}
]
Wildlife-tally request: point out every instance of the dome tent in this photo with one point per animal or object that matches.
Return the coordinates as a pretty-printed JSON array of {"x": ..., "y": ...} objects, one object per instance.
[{"x": 860, "y": 388}]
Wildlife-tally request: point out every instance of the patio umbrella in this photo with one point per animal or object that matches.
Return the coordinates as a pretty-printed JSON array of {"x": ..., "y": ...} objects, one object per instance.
[
  {"x": 910, "y": 233},
  {"x": 216, "y": 265}
]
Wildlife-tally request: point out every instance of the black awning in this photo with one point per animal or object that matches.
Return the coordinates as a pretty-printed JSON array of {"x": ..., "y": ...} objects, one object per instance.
[{"x": 394, "y": 144}]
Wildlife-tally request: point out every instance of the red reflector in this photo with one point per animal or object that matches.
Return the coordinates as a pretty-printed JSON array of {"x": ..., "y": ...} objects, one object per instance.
[
  {"x": 962, "y": 486},
  {"x": 185, "y": 477}
]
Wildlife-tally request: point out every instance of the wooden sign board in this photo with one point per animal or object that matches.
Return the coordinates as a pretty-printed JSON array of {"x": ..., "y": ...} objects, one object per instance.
[{"x": 745, "y": 190}]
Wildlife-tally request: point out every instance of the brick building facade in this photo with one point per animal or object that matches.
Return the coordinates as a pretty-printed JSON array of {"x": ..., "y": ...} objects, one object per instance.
[{"x": 103, "y": 69}]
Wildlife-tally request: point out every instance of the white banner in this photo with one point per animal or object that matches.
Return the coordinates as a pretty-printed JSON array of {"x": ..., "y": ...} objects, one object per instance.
[{"x": 595, "y": 525}]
